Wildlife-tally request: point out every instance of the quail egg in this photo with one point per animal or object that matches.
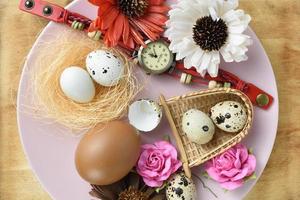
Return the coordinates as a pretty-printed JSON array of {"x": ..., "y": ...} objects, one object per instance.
[
  {"x": 198, "y": 127},
  {"x": 229, "y": 116},
  {"x": 180, "y": 187},
  {"x": 104, "y": 67}
]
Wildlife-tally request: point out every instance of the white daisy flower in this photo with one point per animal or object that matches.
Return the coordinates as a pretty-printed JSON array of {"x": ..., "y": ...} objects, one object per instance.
[{"x": 201, "y": 30}]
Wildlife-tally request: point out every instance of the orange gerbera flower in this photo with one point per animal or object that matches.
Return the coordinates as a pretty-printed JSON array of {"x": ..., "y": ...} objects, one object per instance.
[{"x": 129, "y": 22}]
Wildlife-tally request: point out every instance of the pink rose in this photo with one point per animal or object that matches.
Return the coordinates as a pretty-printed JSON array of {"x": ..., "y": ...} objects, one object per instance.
[
  {"x": 157, "y": 162},
  {"x": 231, "y": 167}
]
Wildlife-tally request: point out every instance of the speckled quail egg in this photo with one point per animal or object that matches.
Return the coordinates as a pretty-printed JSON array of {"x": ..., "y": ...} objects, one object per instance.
[
  {"x": 198, "y": 127},
  {"x": 229, "y": 116},
  {"x": 180, "y": 187},
  {"x": 145, "y": 115},
  {"x": 104, "y": 67}
]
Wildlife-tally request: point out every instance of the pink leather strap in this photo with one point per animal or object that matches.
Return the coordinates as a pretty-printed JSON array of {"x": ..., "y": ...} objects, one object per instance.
[
  {"x": 53, "y": 12},
  {"x": 58, "y": 13}
]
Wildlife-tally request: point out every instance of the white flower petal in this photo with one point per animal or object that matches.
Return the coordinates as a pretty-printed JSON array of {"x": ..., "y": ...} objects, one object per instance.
[
  {"x": 240, "y": 57},
  {"x": 174, "y": 11},
  {"x": 180, "y": 15},
  {"x": 168, "y": 31},
  {"x": 185, "y": 48},
  {"x": 238, "y": 22},
  {"x": 173, "y": 45},
  {"x": 237, "y": 29},
  {"x": 213, "y": 13},
  {"x": 229, "y": 16},
  {"x": 236, "y": 39},
  {"x": 187, "y": 62},
  {"x": 215, "y": 57},
  {"x": 213, "y": 69},
  {"x": 233, "y": 15},
  {"x": 248, "y": 42},
  {"x": 185, "y": 4},
  {"x": 202, "y": 68},
  {"x": 225, "y": 6},
  {"x": 197, "y": 57},
  {"x": 177, "y": 35},
  {"x": 226, "y": 55},
  {"x": 183, "y": 27},
  {"x": 238, "y": 53},
  {"x": 213, "y": 66},
  {"x": 241, "y": 22},
  {"x": 246, "y": 18}
]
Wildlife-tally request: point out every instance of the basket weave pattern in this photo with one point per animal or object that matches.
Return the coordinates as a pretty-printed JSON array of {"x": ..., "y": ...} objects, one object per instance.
[{"x": 193, "y": 154}]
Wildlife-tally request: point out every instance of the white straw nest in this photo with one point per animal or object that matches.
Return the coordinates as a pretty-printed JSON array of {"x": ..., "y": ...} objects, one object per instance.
[{"x": 70, "y": 49}]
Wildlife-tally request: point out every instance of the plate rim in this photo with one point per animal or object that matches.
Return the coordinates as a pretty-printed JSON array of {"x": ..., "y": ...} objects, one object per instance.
[{"x": 50, "y": 24}]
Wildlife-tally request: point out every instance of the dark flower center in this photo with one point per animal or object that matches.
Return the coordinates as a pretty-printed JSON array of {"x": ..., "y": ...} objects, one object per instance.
[
  {"x": 210, "y": 34},
  {"x": 132, "y": 194},
  {"x": 133, "y": 8}
]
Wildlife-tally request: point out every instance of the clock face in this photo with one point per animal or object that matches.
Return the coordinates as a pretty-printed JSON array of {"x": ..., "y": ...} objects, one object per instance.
[{"x": 156, "y": 57}]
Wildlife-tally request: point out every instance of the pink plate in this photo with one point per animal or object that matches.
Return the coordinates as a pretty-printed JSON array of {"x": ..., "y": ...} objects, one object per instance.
[{"x": 51, "y": 153}]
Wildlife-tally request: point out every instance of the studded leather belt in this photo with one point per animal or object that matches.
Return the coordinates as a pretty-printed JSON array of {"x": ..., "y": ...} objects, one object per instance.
[
  {"x": 55, "y": 13},
  {"x": 257, "y": 96}
]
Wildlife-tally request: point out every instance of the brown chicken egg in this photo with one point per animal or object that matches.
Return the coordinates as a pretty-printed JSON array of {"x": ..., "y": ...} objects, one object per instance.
[{"x": 107, "y": 152}]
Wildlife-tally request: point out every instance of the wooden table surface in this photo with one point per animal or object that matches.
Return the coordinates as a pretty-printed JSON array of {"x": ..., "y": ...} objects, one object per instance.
[{"x": 277, "y": 24}]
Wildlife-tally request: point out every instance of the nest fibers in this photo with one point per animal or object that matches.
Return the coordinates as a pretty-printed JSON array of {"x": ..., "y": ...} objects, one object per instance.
[{"x": 71, "y": 49}]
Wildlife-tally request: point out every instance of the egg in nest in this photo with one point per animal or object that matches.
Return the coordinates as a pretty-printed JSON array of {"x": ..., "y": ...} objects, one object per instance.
[
  {"x": 77, "y": 85},
  {"x": 104, "y": 67}
]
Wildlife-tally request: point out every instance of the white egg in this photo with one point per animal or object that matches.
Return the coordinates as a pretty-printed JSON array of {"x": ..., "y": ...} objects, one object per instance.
[
  {"x": 77, "y": 85},
  {"x": 144, "y": 115},
  {"x": 104, "y": 67},
  {"x": 229, "y": 116},
  {"x": 198, "y": 127},
  {"x": 180, "y": 187}
]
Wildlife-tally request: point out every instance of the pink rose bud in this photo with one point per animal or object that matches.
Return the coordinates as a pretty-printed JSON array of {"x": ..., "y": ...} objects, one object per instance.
[
  {"x": 157, "y": 162},
  {"x": 231, "y": 167}
]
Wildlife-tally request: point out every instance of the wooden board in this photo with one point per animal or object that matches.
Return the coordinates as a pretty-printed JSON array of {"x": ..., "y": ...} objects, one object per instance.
[{"x": 275, "y": 22}]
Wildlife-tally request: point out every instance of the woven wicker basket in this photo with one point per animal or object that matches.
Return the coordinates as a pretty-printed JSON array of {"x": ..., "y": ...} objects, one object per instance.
[{"x": 191, "y": 153}]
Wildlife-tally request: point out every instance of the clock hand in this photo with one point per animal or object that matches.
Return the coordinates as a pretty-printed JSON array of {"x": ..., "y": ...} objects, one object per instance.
[
  {"x": 154, "y": 52},
  {"x": 159, "y": 57},
  {"x": 152, "y": 55}
]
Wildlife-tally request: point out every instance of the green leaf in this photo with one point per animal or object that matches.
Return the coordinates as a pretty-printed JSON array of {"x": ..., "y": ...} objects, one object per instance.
[
  {"x": 250, "y": 150},
  {"x": 166, "y": 138},
  {"x": 227, "y": 85},
  {"x": 157, "y": 190},
  {"x": 252, "y": 177},
  {"x": 205, "y": 175}
]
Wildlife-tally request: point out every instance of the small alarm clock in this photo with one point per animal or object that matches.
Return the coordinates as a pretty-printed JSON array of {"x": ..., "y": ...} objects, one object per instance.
[{"x": 156, "y": 57}]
